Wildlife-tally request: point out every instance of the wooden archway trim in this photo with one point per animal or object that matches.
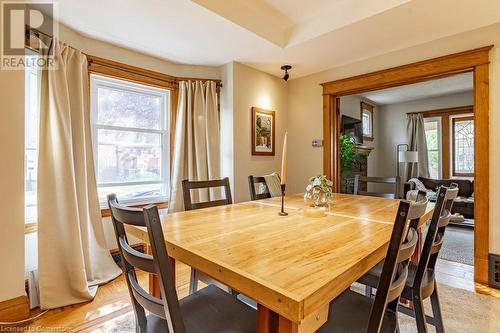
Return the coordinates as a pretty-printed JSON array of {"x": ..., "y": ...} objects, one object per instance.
[{"x": 476, "y": 61}]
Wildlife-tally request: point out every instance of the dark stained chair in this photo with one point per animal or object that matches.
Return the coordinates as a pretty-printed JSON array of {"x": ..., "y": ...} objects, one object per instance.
[
  {"x": 206, "y": 311},
  {"x": 254, "y": 183},
  {"x": 394, "y": 181},
  {"x": 354, "y": 312},
  {"x": 421, "y": 282},
  {"x": 187, "y": 186}
]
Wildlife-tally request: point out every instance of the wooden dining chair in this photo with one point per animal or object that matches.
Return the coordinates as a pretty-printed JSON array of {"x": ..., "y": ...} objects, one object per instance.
[
  {"x": 187, "y": 186},
  {"x": 257, "y": 182},
  {"x": 354, "y": 312},
  {"x": 393, "y": 181},
  {"x": 421, "y": 282},
  {"x": 206, "y": 311}
]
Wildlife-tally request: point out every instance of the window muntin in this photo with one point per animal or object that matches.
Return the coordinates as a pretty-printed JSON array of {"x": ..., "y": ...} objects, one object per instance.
[
  {"x": 130, "y": 123},
  {"x": 31, "y": 124},
  {"x": 463, "y": 146},
  {"x": 432, "y": 128}
]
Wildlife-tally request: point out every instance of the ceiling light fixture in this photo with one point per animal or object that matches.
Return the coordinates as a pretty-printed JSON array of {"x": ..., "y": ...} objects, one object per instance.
[{"x": 286, "y": 68}]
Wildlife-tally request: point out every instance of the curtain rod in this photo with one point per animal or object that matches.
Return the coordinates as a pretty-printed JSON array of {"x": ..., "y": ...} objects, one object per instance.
[
  {"x": 37, "y": 33},
  {"x": 174, "y": 81},
  {"x": 445, "y": 110}
]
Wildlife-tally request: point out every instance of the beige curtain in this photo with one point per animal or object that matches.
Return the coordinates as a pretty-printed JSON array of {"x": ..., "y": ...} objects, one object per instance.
[
  {"x": 417, "y": 142},
  {"x": 72, "y": 249},
  {"x": 197, "y": 143}
]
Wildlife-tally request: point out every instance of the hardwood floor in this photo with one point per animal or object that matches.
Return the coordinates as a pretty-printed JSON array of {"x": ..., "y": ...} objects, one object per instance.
[{"x": 111, "y": 304}]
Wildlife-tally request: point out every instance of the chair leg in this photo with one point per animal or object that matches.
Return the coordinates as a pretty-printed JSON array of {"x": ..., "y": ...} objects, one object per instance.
[
  {"x": 418, "y": 309},
  {"x": 436, "y": 311},
  {"x": 193, "y": 283}
]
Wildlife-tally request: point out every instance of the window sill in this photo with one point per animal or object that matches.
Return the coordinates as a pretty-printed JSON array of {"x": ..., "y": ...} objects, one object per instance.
[
  {"x": 105, "y": 212},
  {"x": 33, "y": 226}
]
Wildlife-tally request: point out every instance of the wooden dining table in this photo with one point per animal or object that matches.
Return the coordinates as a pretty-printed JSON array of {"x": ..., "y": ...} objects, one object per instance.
[{"x": 293, "y": 265}]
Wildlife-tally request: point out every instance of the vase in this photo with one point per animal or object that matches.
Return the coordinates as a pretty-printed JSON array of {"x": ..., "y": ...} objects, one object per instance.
[{"x": 320, "y": 199}]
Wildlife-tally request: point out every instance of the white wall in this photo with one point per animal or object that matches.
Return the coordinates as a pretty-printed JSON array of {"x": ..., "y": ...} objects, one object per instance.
[
  {"x": 112, "y": 52},
  {"x": 305, "y": 108},
  {"x": 12, "y": 184},
  {"x": 252, "y": 87},
  {"x": 393, "y": 120}
]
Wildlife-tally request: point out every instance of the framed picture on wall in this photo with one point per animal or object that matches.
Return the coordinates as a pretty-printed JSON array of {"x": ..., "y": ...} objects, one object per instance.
[{"x": 263, "y": 133}]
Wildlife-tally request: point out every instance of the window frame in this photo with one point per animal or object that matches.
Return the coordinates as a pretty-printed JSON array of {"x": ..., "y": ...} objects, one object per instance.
[
  {"x": 98, "y": 80},
  {"x": 438, "y": 119},
  {"x": 369, "y": 109},
  {"x": 455, "y": 119}
]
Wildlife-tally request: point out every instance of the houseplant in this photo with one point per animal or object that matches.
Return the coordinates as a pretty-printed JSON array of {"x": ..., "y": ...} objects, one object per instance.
[
  {"x": 319, "y": 191},
  {"x": 349, "y": 159}
]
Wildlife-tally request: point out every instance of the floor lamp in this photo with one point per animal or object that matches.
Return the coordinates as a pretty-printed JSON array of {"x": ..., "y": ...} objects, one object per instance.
[{"x": 403, "y": 155}]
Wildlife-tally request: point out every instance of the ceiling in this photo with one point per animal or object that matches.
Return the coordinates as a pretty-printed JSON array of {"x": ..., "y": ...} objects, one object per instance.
[
  {"x": 434, "y": 88},
  {"x": 311, "y": 35}
]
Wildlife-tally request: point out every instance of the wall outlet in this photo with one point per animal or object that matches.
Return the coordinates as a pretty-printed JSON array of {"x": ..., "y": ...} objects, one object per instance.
[{"x": 317, "y": 143}]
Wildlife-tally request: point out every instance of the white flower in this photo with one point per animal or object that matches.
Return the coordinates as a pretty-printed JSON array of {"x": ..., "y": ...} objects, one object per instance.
[
  {"x": 309, "y": 187},
  {"x": 317, "y": 182}
]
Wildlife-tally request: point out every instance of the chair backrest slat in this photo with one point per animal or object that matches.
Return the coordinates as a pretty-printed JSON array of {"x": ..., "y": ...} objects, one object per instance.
[
  {"x": 253, "y": 182},
  {"x": 168, "y": 306},
  {"x": 188, "y": 185},
  {"x": 147, "y": 301},
  {"x": 135, "y": 258},
  {"x": 394, "y": 181},
  {"x": 395, "y": 269}
]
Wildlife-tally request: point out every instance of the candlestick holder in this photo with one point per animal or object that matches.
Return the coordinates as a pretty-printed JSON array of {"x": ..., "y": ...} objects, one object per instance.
[{"x": 283, "y": 213}]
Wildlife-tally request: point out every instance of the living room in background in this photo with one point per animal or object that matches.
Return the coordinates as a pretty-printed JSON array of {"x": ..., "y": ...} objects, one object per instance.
[
  {"x": 131, "y": 139},
  {"x": 473, "y": 66}
]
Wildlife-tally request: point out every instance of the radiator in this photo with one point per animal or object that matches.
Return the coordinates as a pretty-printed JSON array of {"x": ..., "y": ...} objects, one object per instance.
[
  {"x": 494, "y": 270},
  {"x": 33, "y": 289}
]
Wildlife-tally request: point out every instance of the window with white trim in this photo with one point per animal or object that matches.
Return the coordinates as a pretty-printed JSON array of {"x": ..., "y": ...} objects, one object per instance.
[{"x": 131, "y": 140}]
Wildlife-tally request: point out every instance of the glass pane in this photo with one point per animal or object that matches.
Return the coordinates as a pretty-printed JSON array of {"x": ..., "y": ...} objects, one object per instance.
[
  {"x": 366, "y": 124},
  {"x": 433, "y": 156},
  {"x": 431, "y": 135},
  {"x": 128, "y": 109},
  {"x": 464, "y": 146},
  {"x": 126, "y": 156},
  {"x": 31, "y": 144},
  {"x": 133, "y": 192}
]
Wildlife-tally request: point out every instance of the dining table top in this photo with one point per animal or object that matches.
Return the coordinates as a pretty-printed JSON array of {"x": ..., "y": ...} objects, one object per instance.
[{"x": 295, "y": 264}]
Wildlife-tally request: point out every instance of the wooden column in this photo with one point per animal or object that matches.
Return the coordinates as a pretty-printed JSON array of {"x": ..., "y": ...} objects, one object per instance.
[{"x": 481, "y": 171}]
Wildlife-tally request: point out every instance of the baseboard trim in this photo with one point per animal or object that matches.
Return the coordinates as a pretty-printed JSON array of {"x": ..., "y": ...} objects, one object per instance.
[{"x": 15, "y": 309}]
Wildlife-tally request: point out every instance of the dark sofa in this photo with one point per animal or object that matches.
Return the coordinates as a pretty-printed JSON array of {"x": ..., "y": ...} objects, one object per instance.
[{"x": 463, "y": 205}]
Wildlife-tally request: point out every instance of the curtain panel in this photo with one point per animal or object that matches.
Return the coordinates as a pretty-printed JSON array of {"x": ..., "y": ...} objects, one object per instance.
[
  {"x": 417, "y": 142},
  {"x": 196, "y": 153},
  {"x": 71, "y": 243}
]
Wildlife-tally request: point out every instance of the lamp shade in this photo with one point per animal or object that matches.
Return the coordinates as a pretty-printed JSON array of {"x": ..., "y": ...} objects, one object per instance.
[{"x": 408, "y": 156}]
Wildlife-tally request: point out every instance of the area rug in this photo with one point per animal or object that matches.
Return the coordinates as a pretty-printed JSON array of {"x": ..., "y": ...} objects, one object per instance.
[
  {"x": 463, "y": 312},
  {"x": 458, "y": 245}
]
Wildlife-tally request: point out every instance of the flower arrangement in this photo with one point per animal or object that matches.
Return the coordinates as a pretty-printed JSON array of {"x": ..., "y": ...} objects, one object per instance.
[{"x": 319, "y": 190}]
